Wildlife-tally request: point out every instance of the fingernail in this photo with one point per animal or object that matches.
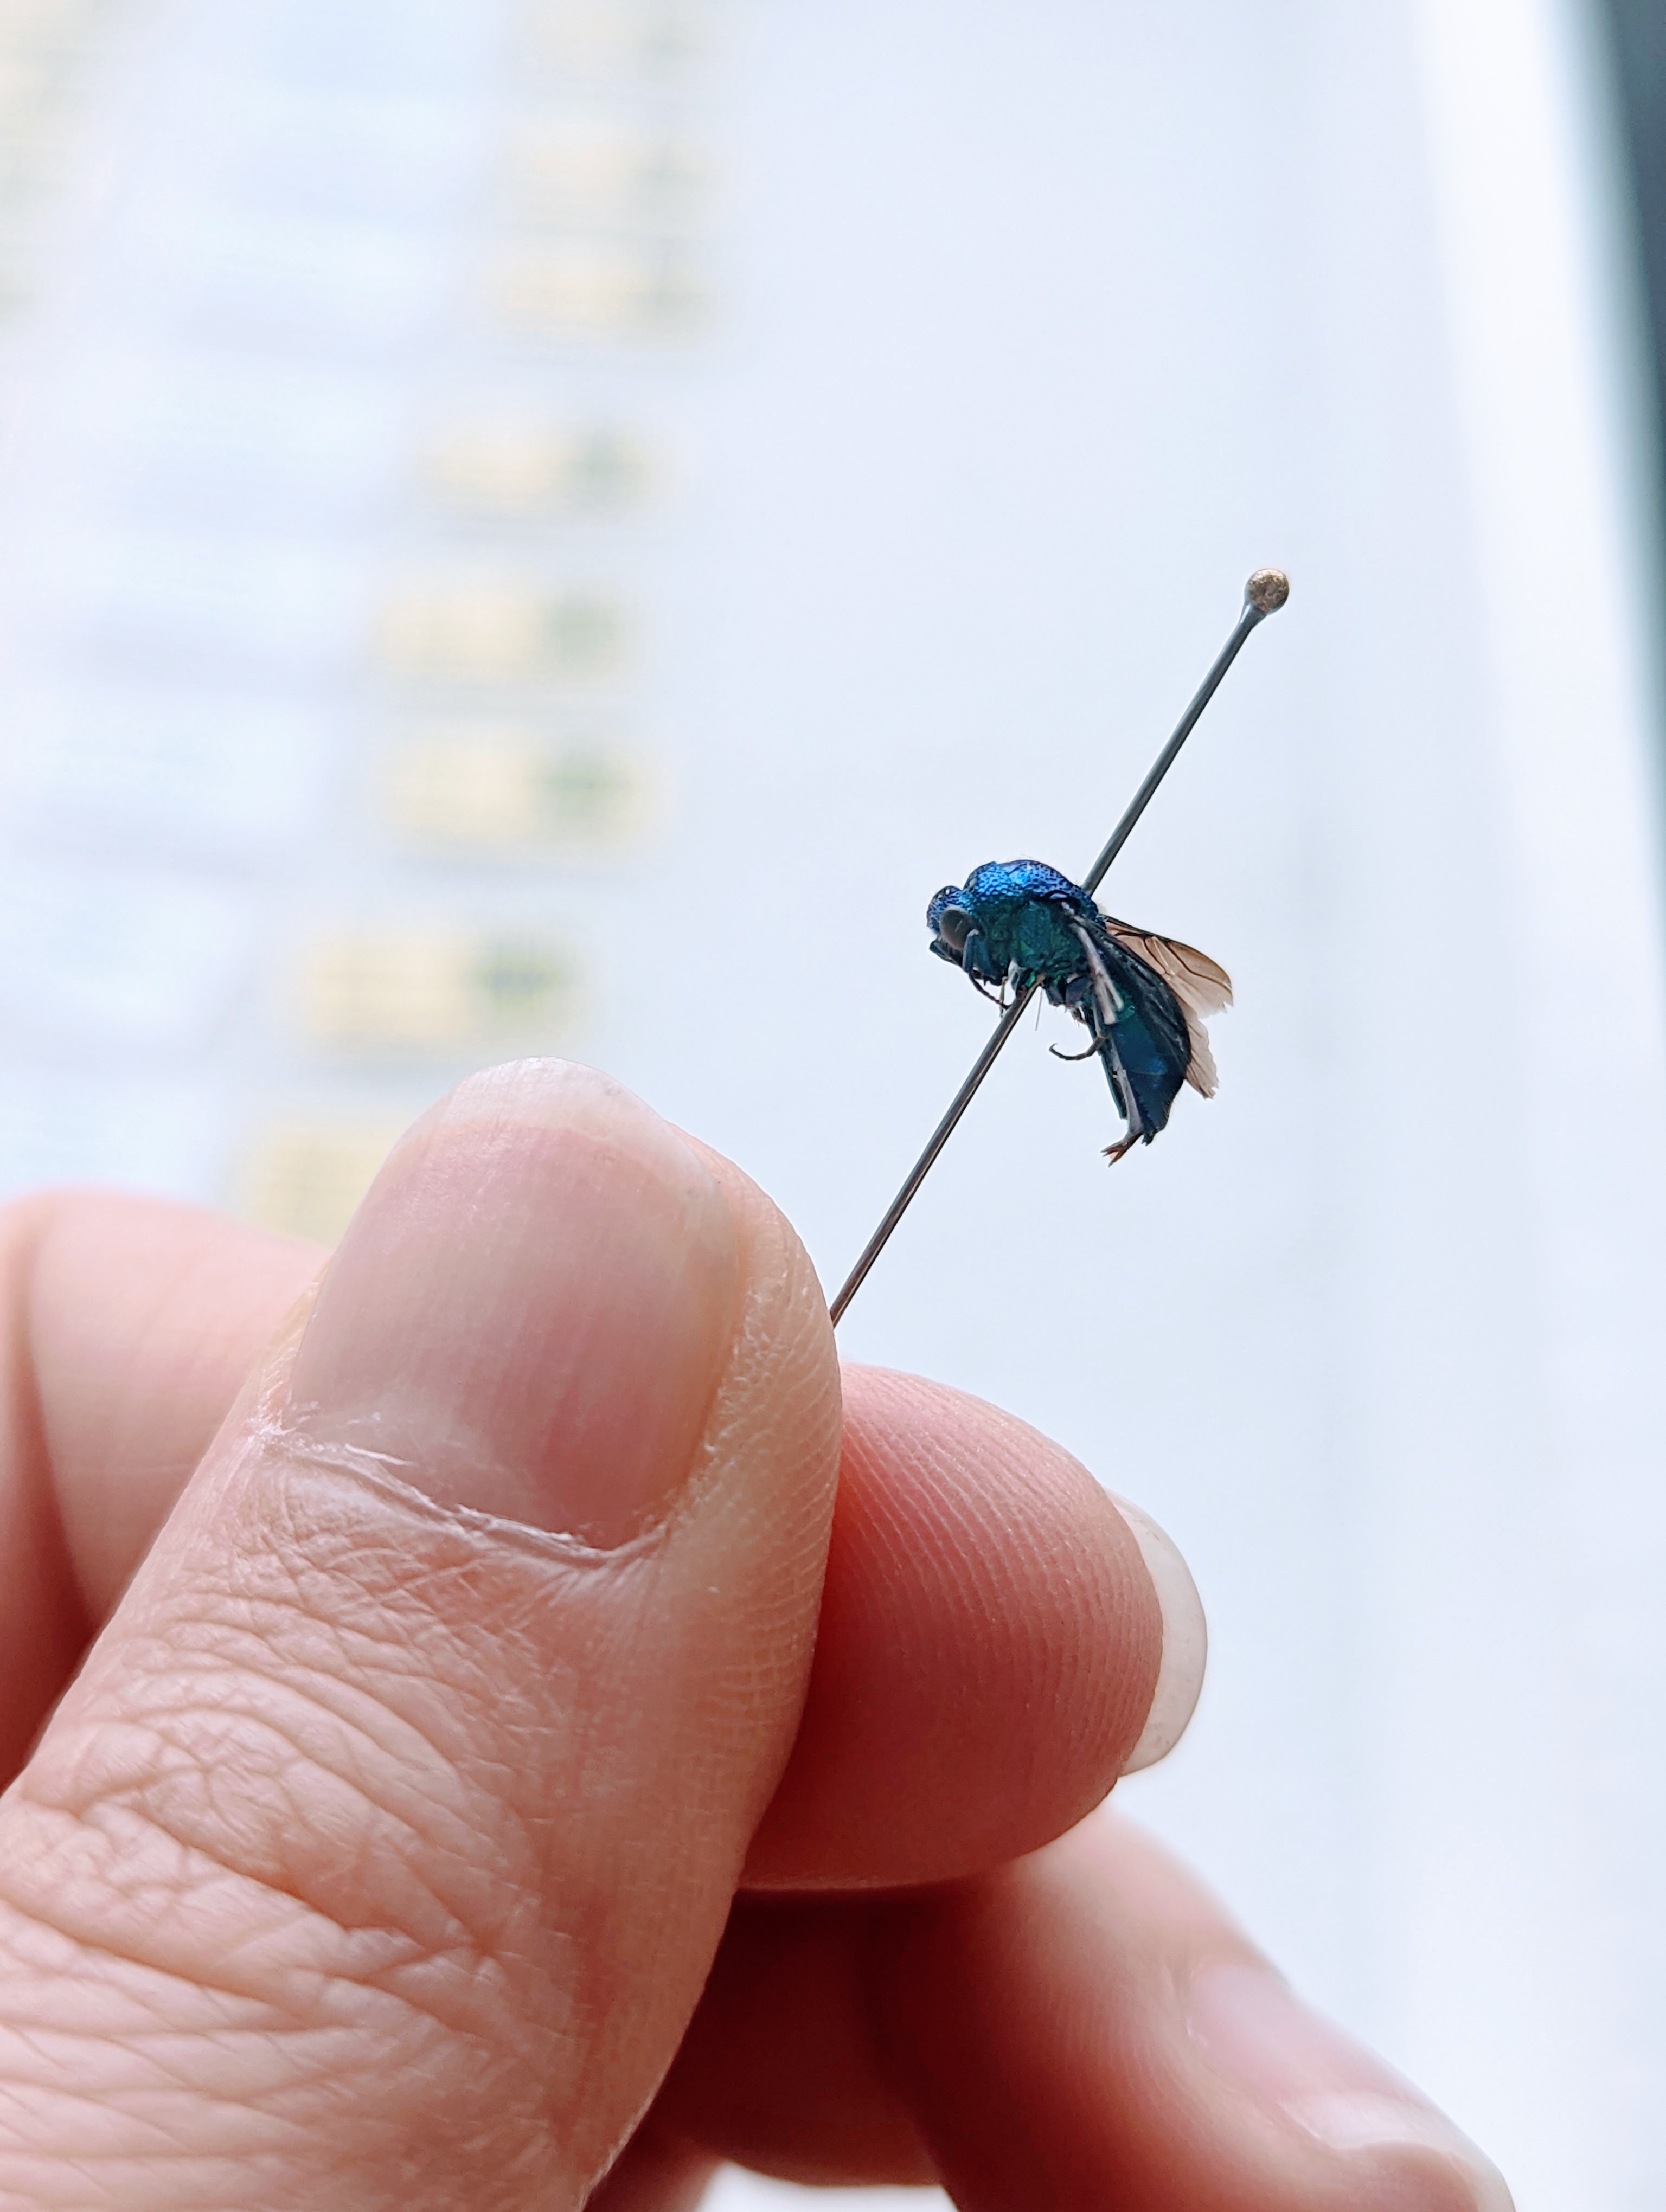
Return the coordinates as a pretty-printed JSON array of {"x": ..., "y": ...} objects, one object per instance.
[
  {"x": 1251, "y": 2028},
  {"x": 1185, "y": 1640},
  {"x": 529, "y": 1312}
]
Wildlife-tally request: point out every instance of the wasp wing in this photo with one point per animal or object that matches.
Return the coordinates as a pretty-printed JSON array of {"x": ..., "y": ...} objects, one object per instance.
[
  {"x": 1147, "y": 1040},
  {"x": 1202, "y": 985},
  {"x": 1199, "y": 983},
  {"x": 1201, "y": 1070}
]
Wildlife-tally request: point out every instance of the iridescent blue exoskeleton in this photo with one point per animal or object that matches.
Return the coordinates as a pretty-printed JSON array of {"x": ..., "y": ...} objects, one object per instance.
[{"x": 1014, "y": 923}]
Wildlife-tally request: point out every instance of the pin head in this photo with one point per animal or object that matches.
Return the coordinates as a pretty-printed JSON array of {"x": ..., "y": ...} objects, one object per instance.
[{"x": 1266, "y": 590}]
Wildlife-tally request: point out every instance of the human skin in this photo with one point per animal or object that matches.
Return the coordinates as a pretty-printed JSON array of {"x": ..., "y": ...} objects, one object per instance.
[{"x": 516, "y": 1734}]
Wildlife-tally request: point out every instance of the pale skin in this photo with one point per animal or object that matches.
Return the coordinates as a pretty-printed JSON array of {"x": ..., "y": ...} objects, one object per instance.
[{"x": 542, "y": 1735}]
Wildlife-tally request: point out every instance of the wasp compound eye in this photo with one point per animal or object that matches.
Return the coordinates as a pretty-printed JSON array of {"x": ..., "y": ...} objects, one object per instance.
[{"x": 954, "y": 926}]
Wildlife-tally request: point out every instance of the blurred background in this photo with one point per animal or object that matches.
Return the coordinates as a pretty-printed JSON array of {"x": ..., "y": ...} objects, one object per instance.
[{"x": 554, "y": 525}]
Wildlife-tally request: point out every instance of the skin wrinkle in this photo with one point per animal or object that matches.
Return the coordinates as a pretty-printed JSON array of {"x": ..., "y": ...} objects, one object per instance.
[
  {"x": 248, "y": 2086},
  {"x": 393, "y": 1644},
  {"x": 274, "y": 2071},
  {"x": 384, "y": 2158},
  {"x": 324, "y": 2077},
  {"x": 182, "y": 1694},
  {"x": 370, "y": 1959},
  {"x": 152, "y": 2088},
  {"x": 465, "y": 1847},
  {"x": 194, "y": 1730},
  {"x": 292, "y": 1776},
  {"x": 44, "y": 1952},
  {"x": 143, "y": 2116}
]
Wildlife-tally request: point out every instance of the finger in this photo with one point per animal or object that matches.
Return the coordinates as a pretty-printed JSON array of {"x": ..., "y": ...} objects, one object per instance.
[
  {"x": 998, "y": 1642},
  {"x": 782, "y": 2070},
  {"x": 988, "y": 1641},
  {"x": 1086, "y": 2028},
  {"x": 130, "y": 1327},
  {"x": 392, "y": 1825},
  {"x": 143, "y": 1321}
]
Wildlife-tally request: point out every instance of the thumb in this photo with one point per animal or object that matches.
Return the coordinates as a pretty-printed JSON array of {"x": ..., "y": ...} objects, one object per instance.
[{"x": 380, "y": 1851}]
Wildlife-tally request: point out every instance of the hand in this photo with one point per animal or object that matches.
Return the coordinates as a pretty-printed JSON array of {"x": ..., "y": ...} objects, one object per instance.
[{"x": 480, "y": 1687}]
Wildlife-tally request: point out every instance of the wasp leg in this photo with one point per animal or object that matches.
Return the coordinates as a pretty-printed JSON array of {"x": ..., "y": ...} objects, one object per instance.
[
  {"x": 1126, "y": 1104},
  {"x": 972, "y": 962}
]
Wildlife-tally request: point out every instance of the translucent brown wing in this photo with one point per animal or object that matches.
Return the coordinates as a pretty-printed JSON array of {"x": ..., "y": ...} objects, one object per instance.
[
  {"x": 1200, "y": 1067},
  {"x": 1202, "y": 985}
]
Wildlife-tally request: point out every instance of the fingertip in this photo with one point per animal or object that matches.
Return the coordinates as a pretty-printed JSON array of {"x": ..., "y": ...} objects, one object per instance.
[
  {"x": 1261, "y": 2042},
  {"x": 990, "y": 1645}
]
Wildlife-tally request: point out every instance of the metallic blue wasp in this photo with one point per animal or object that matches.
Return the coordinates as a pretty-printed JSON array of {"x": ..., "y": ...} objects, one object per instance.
[
  {"x": 1142, "y": 998},
  {"x": 1019, "y": 923}
]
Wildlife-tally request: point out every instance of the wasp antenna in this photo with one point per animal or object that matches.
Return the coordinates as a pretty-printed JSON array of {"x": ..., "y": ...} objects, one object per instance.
[{"x": 1264, "y": 595}]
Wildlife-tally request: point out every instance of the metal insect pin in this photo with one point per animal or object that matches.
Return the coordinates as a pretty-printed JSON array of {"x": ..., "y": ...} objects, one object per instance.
[{"x": 1021, "y": 926}]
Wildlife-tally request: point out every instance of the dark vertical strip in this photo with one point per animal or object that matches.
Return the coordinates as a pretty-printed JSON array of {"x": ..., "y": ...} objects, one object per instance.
[{"x": 1637, "y": 31}]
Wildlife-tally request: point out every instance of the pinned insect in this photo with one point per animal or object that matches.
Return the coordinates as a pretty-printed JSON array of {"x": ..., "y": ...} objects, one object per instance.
[{"x": 1018, "y": 924}]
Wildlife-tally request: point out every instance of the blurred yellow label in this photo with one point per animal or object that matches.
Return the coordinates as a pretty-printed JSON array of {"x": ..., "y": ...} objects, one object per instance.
[
  {"x": 599, "y": 289},
  {"x": 579, "y": 172},
  {"x": 304, "y": 1177},
  {"x": 509, "y": 791},
  {"x": 501, "y": 633},
  {"x": 47, "y": 23},
  {"x": 438, "y": 993},
  {"x": 30, "y": 160},
  {"x": 29, "y": 91},
  {"x": 503, "y": 467},
  {"x": 608, "y": 37}
]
